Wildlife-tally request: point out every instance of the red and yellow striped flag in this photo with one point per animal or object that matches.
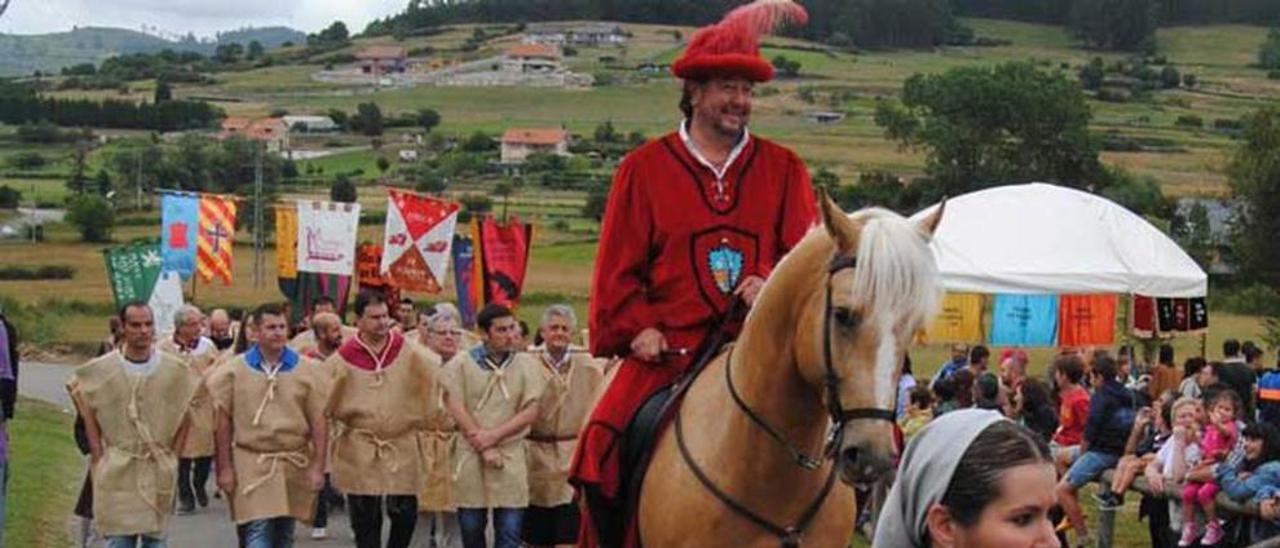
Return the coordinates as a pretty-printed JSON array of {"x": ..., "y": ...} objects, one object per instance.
[{"x": 217, "y": 236}]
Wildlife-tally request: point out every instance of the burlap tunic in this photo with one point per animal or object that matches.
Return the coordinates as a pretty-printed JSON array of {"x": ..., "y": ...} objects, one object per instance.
[
  {"x": 436, "y": 444},
  {"x": 571, "y": 392},
  {"x": 493, "y": 396},
  {"x": 200, "y": 363},
  {"x": 139, "y": 415},
  {"x": 271, "y": 422},
  {"x": 380, "y": 413}
]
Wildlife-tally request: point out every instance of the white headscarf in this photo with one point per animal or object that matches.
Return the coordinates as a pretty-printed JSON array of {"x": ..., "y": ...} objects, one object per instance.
[{"x": 925, "y": 473}]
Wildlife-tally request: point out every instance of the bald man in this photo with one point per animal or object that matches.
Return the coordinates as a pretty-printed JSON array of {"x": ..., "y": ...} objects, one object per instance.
[
  {"x": 220, "y": 329},
  {"x": 328, "y": 330}
]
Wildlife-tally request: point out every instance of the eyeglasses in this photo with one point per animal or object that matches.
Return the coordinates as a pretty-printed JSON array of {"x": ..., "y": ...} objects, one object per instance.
[{"x": 446, "y": 332}]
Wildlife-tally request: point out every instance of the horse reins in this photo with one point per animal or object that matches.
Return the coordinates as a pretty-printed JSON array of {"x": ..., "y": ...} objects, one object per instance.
[{"x": 790, "y": 536}]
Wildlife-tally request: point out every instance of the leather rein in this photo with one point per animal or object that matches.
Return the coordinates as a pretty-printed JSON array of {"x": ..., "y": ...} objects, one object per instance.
[{"x": 790, "y": 536}]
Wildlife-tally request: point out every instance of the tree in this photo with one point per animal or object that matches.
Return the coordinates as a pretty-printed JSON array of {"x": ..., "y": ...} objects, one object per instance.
[
  {"x": 1093, "y": 74},
  {"x": 343, "y": 190},
  {"x": 479, "y": 142},
  {"x": 988, "y": 126},
  {"x": 1255, "y": 181},
  {"x": 102, "y": 182},
  {"x": 785, "y": 67},
  {"x": 504, "y": 190},
  {"x": 256, "y": 51},
  {"x": 1125, "y": 25},
  {"x": 1170, "y": 77},
  {"x": 1269, "y": 53},
  {"x": 368, "y": 119},
  {"x": 605, "y": 133},
  {"x": 826, "y": 179},
  {"x": 27, "y": 160},
  {"x": 9, "y": 197},
  {"x": 228, "y": 53},
  {"x": 429, "y": 181},
  {"x": 383, "y": 164},
  {"x": 92, "y": 216},
  {"x": 163, "y": 91},
  {"x": 428, "y": 119},
  {"x": 79, "y": 182}
]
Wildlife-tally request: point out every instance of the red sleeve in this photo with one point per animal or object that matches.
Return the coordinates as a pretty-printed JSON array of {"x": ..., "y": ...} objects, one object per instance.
[
  {"x": 799, "y": 213},
  {"x": 619, "y": 308}
]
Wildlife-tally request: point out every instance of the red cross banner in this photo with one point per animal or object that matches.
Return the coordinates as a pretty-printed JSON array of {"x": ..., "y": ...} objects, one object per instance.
[
  {"x": 216, "y": 237},
  {"x": 418, "y": 241}
]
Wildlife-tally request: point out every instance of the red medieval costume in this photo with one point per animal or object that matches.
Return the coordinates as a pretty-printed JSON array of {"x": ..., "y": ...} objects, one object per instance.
[{"x": 676, "y": 242}]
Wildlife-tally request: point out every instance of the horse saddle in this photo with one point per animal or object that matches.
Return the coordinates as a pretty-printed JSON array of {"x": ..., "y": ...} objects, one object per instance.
[{"x": 641, "y": 436}]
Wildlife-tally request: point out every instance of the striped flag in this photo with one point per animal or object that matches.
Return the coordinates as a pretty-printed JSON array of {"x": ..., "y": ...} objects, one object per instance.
[{"x": 217, "y": 234}]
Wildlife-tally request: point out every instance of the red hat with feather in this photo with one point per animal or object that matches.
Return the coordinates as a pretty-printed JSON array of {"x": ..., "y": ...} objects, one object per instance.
[{"x": 732, "y": 46}]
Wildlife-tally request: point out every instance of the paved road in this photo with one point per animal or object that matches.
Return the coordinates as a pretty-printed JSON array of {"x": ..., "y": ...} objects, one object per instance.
[{"x": 208, "y": 527}]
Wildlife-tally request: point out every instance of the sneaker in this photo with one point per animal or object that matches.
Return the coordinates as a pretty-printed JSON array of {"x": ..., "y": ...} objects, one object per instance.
[
  {"x": 1213, "y": 534},
  {"x": 1108, "y": 500},
  {"x": 1188, "y": 535},
  {"x": 319, "y": 533},
  {"x": 186, "y": 508},
  {"x": 202, "y": 497}
]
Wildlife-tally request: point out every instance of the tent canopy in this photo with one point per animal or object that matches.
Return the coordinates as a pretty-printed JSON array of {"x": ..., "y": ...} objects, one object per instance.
[{"x": 1042, "y": 238}]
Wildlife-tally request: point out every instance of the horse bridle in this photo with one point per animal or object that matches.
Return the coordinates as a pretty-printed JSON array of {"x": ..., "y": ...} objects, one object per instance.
[{"x": 790, "y": 536}]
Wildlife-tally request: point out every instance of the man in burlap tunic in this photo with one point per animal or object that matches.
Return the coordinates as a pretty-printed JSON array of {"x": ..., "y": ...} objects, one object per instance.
[
  {"x": 272, "y": 436},
  {"x": 493, "y": 392},
  {"x": 380, "y": 403},
  {"x": 573, "y": 380},
  {"x": 134, "y": 402},
  {"x": 195, "y": 457},
  {"x": 439, "y": 330}
]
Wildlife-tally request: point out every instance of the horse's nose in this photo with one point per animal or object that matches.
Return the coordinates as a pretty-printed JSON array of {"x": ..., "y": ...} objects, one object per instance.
[{"x": 861, "y": 466}]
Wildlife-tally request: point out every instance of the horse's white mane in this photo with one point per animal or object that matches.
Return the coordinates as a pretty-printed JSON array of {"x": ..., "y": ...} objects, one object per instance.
[{"x": 896, "y": 272}]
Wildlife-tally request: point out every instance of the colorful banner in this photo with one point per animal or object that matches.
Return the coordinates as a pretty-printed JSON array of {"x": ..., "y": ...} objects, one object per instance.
[
  {"x": 504, "y": 252},
  {"x": 419, "y": 234},
  {"x": 1024, "y": 320},
  {"x": 369, "y": 272},
  {"x": 958, "y": 320},
  {"x": 217, "y": 237},
  {"x": 1162, "y": 317},
  {"x": 287, "y": 241},
  {"x": 135, "y": 273},
  {"x": 179, "y": 221},
  {"x": 327, "y": 237},
  {"x": 1086, "y": 320},
  {"x": 1142, "y": 316},
  {"x": 464, "y": 280}
]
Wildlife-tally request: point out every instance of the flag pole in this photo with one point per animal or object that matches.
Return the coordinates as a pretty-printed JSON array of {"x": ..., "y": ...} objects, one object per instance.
[{"x": 257, "y": 215}]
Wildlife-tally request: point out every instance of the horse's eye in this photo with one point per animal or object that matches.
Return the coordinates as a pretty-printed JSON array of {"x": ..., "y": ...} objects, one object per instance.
[{"x": 847, "y": 318}]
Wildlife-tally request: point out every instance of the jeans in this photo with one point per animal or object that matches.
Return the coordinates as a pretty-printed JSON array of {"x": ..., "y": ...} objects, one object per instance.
[
  {"x": 437, "y": 530},
  {"x": 267, "y": 533},
  {"x": 134, "y": 541},
  {"x": 1090, "y": 467},
  {"x": 320, "y": 519},
  {"x": 193, "y": 473},
  {"x": 366, "y": 519},
  {"x": 506, "y": 526}
]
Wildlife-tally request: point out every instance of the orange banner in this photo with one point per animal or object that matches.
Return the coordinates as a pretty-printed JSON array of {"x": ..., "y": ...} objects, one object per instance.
[
  {"x": 1086, "y": 320},
  {"x": 217, "y": 237}
]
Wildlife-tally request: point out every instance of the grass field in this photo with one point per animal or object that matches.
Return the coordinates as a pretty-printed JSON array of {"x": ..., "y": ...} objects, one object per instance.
[{"x": 45, "y": 472}]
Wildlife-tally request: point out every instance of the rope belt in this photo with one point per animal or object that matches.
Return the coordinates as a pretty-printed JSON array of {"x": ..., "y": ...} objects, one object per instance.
[
  {"x": 145, "y": 483},
  {"x": 381, "y": 448},
  {"x": 537, "y": 438},
  {"x": 297, "y": 458}
]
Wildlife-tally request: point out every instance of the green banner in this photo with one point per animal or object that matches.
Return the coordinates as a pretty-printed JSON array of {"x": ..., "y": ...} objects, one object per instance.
[{"x": 133, "y": 270}]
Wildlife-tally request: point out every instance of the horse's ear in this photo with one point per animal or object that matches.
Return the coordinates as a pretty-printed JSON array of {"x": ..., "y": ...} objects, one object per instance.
[
  {"x": 929, "y": 225},
  {"x": 843, "y": 231}
]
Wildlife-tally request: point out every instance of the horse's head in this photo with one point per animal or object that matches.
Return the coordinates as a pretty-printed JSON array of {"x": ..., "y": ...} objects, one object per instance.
[{"x": 880, "y": 286}]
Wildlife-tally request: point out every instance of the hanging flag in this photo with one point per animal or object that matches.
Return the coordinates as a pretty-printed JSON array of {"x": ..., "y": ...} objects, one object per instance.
[
  {"x": 1165, "y": 318},
  {"x": 419, "y": 234},
  {"x": 958, "y": 320},
  {"x": 1024, "y": 320},
  {"x": 369, "y": 272},
  {"x": 464, "y": 280},
  {"x": 1142, "y": 316},
  {"x": 1181, "y": 315},
  {"x": 136, "y": 273},
  {"x": 327, "y": 234},
  {"x": 287, "y": 241},
  {"x": 504, "y": 251},
  {"x": 1086, "y": 320},
  {"x": 1199, "y": 314},
  {"x": 179, "y": 221},
  {"x": 217, "y": 237}
]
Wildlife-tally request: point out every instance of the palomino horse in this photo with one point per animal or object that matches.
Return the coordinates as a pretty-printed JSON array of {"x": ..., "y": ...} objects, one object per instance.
[{"x": 813, "y": 375}]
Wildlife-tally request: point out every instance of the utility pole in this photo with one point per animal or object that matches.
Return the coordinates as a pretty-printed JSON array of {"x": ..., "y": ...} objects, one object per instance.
[
  {"x": 138, "y": 179},
  {"x": 258, "y": 234}
]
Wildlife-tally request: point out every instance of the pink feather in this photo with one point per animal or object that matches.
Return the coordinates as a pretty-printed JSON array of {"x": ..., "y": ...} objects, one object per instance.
[{"x": 740, "y": 30}]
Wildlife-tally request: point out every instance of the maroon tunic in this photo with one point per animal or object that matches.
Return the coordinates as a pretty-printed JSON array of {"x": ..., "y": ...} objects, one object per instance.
[{"x": 673, "y": 248}]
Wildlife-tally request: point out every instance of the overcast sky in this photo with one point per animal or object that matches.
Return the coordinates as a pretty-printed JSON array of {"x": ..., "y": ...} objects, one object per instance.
[{"x": 203, "y": 17}]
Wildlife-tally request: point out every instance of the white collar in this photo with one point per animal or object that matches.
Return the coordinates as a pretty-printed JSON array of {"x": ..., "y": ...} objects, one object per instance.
[{"x": 697, "y": 154}]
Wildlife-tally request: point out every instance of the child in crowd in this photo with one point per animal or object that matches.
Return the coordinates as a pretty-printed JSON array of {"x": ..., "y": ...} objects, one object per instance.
[
  {"x": 1073, "y": 411},
  {"x": 1257, "y": 476},
  {"x": 945, "y": 392},
  {"x": 1215, "y": 444},
  {"x": 919, "y": 412}
]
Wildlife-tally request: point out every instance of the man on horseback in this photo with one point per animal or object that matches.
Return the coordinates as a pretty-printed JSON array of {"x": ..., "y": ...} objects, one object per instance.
[{"x": 695, "y": 220}]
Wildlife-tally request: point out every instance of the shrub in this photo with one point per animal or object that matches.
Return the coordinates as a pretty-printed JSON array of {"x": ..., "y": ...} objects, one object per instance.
[
  {"x": 92, "y": 216},
  {"x": 10, "y": 198},
  {"x": 1170, "y": 77},
  {"x": 1273, "y": 75},
  {"x": 343, "y": 190},
  {"x": 27, "y": 160},
  {"x": 1189, "y": 121},
  {"x": 42, "y": 272},
  {"x": 1189, "y": 80}
]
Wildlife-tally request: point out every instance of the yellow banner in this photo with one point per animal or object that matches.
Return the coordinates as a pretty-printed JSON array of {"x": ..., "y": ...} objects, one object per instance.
[
  {"x": 959, "y": 319},
  {"x": 287, "y": 241}
]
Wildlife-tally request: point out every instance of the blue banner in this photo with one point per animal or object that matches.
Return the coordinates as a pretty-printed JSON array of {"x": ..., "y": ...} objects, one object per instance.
[
  {"x": 464, "y": 256},
  {"x": 180, "y": 220},
  {"x": 1025, "y": 320}
]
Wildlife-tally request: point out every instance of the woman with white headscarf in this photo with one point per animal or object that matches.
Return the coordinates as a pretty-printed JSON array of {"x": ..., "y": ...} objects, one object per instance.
[{"x": 972, "y": 478}]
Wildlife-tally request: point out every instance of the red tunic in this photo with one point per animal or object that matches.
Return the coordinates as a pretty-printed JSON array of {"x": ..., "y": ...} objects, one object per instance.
[{"x": 672, "y": 250}]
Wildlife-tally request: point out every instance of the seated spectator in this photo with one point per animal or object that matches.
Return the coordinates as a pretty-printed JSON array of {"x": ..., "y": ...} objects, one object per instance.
[
  {"x": 963, "y": 381},
  {"x": 1164, "y": 376},
  {"x": 1150, "y": 429},
  {"x": 1257, "y": 477},
  {"x": 1216, "y": 442},
  {"x": 919, "y": 412},
  {"x": 1110, "y": 419},
  {"x": 972, "y": 478},
  {"x": 1073, "y": 410},
  {"x": 945, "y": 394},
  {"x": 1179, "y": 454},
  {"x": 1194, "y": 377},
  {"x": 1033, "y": 408},
  {"x": 986, "y": 393}
]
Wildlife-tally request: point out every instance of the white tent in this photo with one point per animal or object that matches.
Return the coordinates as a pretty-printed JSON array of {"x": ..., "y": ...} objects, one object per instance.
[{"x": 1042, "y": 238}]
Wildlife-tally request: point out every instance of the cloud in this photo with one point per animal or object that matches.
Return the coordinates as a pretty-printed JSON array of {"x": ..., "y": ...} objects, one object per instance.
[{"x": 203, "y": 17}]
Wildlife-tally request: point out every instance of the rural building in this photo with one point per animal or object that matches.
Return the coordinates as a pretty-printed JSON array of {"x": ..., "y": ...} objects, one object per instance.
[
  {"x": 377, "y": 60},
  {"x": 310, "y": 124},
  {"x": 825, "y": 117},
  {"x": 532, "y": 58},
  {"x": 518, "y": 143},
  {"x": 599, "y": 34},
  {"x": 408, "y": 155},
  {"x": 271, "y": 131}
]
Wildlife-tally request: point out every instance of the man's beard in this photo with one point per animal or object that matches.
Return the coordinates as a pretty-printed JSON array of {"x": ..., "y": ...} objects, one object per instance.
[{"x": 223, "y": 343}]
